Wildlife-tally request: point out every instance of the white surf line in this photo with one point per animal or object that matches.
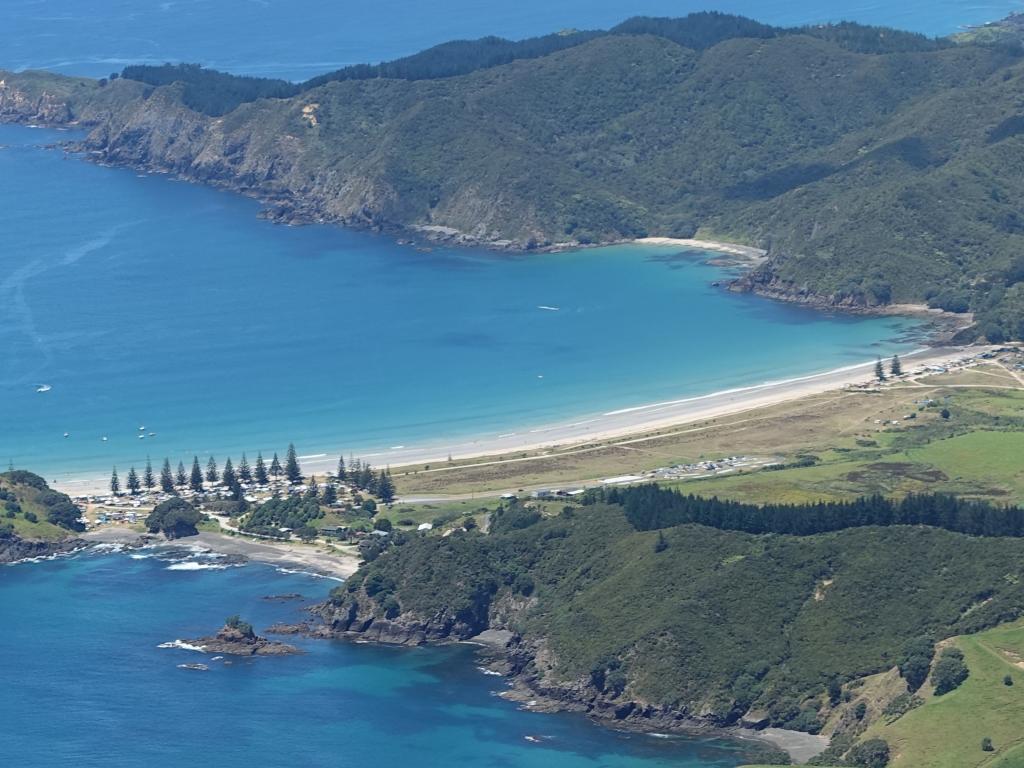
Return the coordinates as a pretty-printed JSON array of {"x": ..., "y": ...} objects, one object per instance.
[{"x": 750, "y": 388}]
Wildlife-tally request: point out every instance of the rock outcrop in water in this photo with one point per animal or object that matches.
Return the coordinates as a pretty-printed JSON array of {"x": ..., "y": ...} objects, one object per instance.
[{"x": 238, "y": 638}]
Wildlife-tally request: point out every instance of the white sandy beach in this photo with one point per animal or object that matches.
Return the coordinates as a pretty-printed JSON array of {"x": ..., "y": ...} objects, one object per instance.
[{"x": 612, "y": 424}]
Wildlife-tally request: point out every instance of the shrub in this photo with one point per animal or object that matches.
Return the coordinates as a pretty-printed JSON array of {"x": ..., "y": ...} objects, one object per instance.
[
  {"x": 860, "y": 710},
  {"x": 950, "y": 671},
  {"x": 1008, "y": 680},
  {"x": 916, "y": 662},
  {"x": 873, "y": 753},
  {"x": 32, "y": 517},
  {"x": 986, "y": 745},
  {"x": 175, "y": 518},
  {"x": 382, "y": 524}
]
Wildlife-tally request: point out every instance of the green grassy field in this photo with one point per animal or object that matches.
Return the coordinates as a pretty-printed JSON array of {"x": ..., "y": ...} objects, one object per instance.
[
  {"x": 946, "y": 731},
  {"x": 858, "y": 447}
]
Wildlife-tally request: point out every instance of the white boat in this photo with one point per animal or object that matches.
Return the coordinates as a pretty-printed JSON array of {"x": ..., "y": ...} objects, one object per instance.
[
  {"x": 43, "y": 388},
  {"x": 67, "y": 434},
  {"x": 104, "y": 438}
]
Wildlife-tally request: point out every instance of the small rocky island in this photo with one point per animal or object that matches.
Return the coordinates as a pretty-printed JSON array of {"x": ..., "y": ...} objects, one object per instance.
[{"x": 238, "y": 638}]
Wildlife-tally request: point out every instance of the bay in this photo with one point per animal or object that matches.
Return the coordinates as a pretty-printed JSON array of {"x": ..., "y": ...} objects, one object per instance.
[
  {"x": 94, "y": 689},
  {"x": 172, "y": 321}
]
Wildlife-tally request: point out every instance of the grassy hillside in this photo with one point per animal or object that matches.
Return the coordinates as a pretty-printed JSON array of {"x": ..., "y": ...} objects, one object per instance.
[
  {"x": 30, "y": 510},
  {"x": 946, "y": 731},
  {"x": 876, "y": 167}
]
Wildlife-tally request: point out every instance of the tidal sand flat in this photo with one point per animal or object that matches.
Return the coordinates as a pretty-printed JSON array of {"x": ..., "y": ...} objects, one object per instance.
[{"x": 171, "y": 321}]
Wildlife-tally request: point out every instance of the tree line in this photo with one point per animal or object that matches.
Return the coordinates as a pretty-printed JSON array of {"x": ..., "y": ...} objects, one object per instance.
[
  {"x": 650, "y": 507},
  {"x": 357, "y": 474}
]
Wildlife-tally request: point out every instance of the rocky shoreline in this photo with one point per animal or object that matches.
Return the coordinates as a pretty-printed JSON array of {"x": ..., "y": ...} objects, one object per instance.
[
  {"x": 15, "y": 549},
  {"x": 527, "y": 665}
]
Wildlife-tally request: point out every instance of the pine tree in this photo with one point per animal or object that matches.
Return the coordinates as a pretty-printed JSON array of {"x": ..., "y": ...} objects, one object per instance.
[
  {"x": 313, "y": 492},
  {"x": 896, "y": 368},
  {"x": 386, "y": 488},
  {"x": 244, "y": 473},
  {"x": 115, "y": 484},
  {"x": 291, "y": 466},
  {"x": 196, "y": 480},
  {"x": 275, "y": 466},
  {"x": 261, "y": 470},
  {"x": 330, "y": 495},
  {"x": 879, "y": 370},
  {"x": 367, "y": 480},
  {"x": 148, "y": 479},
  {"x": 181, "y": 478},
  {"x": 211, "y": 470},
  {"x": 166, "y": 478},
  {"x": 133, "y": 482},
  {"x": 235, "y": 487},
  {"x": 229, "y": 477},
  {"x": 342, "y": 475},
  {"x": 355, "y": 472}
]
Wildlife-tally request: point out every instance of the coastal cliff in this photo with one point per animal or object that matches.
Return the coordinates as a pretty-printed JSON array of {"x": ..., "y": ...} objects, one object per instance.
[{"x": 829, "y": 148}]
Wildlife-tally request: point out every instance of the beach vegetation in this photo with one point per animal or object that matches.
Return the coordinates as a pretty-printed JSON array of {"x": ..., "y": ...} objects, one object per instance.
[
  {"x": 292, "y": 470},
  {"x": 167, "y": 477},
  {"x": 132, "y": 483},
  {"x": 174, "y": 518},
  {"x": 260, "y": 471},
  {"x": 212, "y": 476},
  {"x": 115, "y": 483},
  {"x": 244, "y": 470},
  {"x": 196, "y": 477},
  {"x": 228, "y": 475},
  {"x": 289, "y": 513}
]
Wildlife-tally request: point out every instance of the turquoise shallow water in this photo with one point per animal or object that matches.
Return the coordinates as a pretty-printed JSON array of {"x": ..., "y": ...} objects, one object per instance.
[
  {"x": 86, "y": 685},
  {"x": 145, "y": 302}
]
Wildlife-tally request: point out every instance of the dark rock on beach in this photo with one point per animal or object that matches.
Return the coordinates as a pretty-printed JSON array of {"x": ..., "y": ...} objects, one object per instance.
[{"x": 14, "y": 548}]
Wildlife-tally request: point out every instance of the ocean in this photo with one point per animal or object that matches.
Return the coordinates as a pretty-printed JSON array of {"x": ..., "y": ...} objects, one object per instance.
[
  {"x": 168, "y": 320},
  {"x": 297, "y": 40},
  {"x": 85, "y": 683}
]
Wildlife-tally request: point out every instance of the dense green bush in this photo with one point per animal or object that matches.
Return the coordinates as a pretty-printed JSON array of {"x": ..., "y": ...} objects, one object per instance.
[
  {"x": 174, "y": 518},
  {"x": 950, "y": 671},
  {"x": 873, "y": 753}
]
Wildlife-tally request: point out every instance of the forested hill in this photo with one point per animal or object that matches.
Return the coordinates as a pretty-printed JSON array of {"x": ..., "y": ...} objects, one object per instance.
[
  {"x": 875, "y": 166},
  {"x": 690, "y": 621}
]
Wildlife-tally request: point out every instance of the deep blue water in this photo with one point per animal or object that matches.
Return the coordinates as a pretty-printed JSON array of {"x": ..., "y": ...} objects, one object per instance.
[
  {"x": 297, "y": 39},
  {"x": 84, "y": 684},
  {"x": 145, "y": 302}
]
